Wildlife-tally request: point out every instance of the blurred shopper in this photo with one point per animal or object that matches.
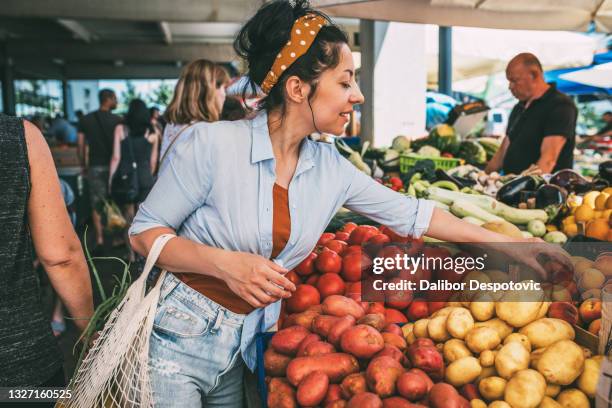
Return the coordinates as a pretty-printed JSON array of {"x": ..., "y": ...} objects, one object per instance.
[
  {"x": 606, "y": 130},
  {"x": 33, "y": 219},
  {"x": 542, "y": 125},
  {"x": 157, "y": 119},
  {"x": 134, "y": 160},
  {"x": 95, "y": 146},
  {"x": 233, "y": 109},
  {"x": 198, "y": 97},
  {"x": 62, "y": 130}
]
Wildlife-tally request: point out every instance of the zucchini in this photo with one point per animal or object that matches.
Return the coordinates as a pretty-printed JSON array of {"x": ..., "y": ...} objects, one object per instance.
[
  {"x": 446, "y": 184},
  {"x": 442, "y": 206},
  {"x": 462, "y": 208},
  {"x": 473, "y": 220},
  {"x": 537, "y": 228},
  {"x": 555, "y": 237},
  {"x": 519, "y": 216}
]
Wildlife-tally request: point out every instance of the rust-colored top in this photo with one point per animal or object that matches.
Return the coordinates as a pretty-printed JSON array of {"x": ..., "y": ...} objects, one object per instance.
[{"x": 216, "y": 289}]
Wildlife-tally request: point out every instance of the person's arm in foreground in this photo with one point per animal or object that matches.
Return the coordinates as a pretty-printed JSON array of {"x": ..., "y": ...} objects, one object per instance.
[
  {"x": 155, "y": 150},
  {"x": 497, "y": 160},
  {"x": 180, "y": 189},
  {"x": 55, "y": 241}
]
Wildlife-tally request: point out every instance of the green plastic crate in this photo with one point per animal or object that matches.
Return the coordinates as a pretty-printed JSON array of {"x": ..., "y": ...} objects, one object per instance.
[{"x": 406, "y": 161}]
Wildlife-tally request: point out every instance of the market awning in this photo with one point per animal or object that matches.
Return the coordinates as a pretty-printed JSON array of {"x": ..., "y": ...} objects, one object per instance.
[
  {"x": 571, "y": 15},
  {"x": 592, "y": 79}
]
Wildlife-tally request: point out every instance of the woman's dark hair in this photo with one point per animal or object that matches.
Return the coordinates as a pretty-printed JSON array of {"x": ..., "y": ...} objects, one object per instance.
[
  {"x": 138, "y": 118},
  {"x": 266, "y": 33}
]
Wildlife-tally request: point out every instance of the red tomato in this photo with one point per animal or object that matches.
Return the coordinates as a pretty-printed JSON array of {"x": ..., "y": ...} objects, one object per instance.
[
  {"x": 397, "y": 299},
  {"x": 351, "y": 249},
  {"x": 395, "y": 238},
  {"x": 375, "y": 243},
  {"x": 348, "y": 227},
  {"x": 328, "y": 261},
  {"x": 313, "y": 279},
  {"x": 330, "y": 284},
  {"x": 342, "y": 236},
  {"x": 306, "y": 267},
  {"x": 353, "y": 264},
  {"x": 417, "y": 310},
  {"x": 433, "y": 307},
  {"x": 414, "y": 246},
  {"x": 352, "y": 287},
  {"x": 327, "y": 236},
  {"x": 337, "y": 246},
  {"x": 303, "y": 297},
  {"x": 293, "y": 277},
  {"x": 395, "y": 316},
  {"x": 391, "y": 252},
  {"x": 448, "y": 155},
  {"x": 362, "y": 233},
  {"x": 396, "y": 182}
]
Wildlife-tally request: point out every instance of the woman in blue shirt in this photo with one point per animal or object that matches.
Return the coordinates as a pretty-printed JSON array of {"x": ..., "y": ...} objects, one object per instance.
[{"x": 216, "y": 194}]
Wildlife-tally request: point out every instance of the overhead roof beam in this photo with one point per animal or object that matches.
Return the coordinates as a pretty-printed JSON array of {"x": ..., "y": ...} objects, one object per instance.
[
  {"x": 134, "y": 52},
  {"x": 77, "y": 29},
  {"x": 133, "y": 10},
  {"x": 164, "y": 27}
]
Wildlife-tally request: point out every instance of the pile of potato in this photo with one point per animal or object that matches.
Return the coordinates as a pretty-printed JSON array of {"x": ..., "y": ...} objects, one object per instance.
[
  {"x": 335, "y": 356},
  {"x": 507, "y": 354}
]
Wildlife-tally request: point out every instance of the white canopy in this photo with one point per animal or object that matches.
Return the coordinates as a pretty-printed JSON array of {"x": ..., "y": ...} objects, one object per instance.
[
  {"x": 599, "y": 76},
  {"x": 570, "y": 15}
]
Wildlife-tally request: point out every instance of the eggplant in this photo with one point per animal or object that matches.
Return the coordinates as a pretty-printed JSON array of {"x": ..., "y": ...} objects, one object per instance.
[
  {"x": 599, "y": 183},
  {"x": 605, "y": 171},
  {"x": 570, "y": 181},
  {"x": 510, "y": 193},
  {"x": 550, "y": 194},
  {"x": 441, "y": 175}
]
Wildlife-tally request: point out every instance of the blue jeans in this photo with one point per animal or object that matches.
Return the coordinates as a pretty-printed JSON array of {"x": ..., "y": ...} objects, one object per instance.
[{"x": 194, "y": 355}]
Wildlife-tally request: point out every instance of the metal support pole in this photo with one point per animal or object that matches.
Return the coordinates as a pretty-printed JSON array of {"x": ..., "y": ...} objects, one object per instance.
[
  {"x": 445, "y": 60},
  {"x": 65, "y": 97}
]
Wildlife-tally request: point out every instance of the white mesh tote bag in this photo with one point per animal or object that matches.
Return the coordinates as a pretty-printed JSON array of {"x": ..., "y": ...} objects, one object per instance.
[{"x": 115, "y": 371}]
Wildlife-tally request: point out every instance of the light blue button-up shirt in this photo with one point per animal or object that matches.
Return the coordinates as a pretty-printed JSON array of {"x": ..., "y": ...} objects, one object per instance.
[{"x": 217, "y": 190}]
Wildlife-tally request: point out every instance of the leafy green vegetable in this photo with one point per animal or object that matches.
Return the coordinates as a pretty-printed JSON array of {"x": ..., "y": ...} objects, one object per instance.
[
  {"x": 472, "y": 152},
  {"x": 444, "y": 138}
]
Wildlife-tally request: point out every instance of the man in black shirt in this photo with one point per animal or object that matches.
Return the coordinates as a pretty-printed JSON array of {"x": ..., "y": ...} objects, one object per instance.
[
  {"x": 542, "y": 126},
  {"x": 95, "y": 148}
]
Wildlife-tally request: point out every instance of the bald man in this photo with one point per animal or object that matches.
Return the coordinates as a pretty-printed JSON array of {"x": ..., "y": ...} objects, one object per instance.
[{"x": 542, "y": 126}]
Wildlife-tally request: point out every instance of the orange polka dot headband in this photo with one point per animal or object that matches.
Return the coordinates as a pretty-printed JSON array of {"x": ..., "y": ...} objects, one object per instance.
[{"x": 303, "y": 33}]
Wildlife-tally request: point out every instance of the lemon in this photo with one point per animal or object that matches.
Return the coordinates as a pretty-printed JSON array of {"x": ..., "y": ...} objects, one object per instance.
[
  {"x": 584, "y": 213},
  {"x": 589, "y": 198},
  {"x": 609, "y": 202},
  {"x": 607, "y": 190},
  {"x": 570, "y": 230},
  {"x": 570, "y": 219},
  {"x": 598, "y": 229}
]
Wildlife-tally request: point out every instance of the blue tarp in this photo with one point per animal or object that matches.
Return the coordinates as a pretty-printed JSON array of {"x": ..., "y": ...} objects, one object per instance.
[{"x": 575, "y": 88}]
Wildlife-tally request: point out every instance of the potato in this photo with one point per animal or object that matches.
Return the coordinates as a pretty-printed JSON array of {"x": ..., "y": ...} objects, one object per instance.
[
  {"x": 304, "y": 318},
  {"x": 487, "y": 358},
  {"x": 376, "y": 320},
  {"x": 587, "y": 382},
  {"x": 455, "y": 349},
  {"x": 552, "y": 390},
  {"x": 275, "y": 364},
  {"x": 499, "y": 404},
  {"x": 511, "y": 358},
  {"x": 561, "y": 363},
  {"x": 548, "y": 402},
  {"x": 397, "y": 402},
  {"x": 338, "y": 305},
  {"x": 482, "y": 310},
  {"x": 502, "y": 328},
  {"x": 478, "y": 403},
  {"x": 334, "y": 393},
  {"x": 362, "y": 341},
  {"x": 444, "y": 395},
  {"x": 546, "y": 331},
  {"x": 337, "y": 404},
  {"x": 393, "y": 352},
  {"x": 407, "y": 329},
  {"x": 281, "y": 394},
  {"x": 420, "y": 328},
  {"x": 353, "y": 384},
  {"x": 427, "y": 358},
  {"x": 535, "y": 356},
  {"x": 311, "y": 338},
  {"x": 312, "y": 389},
  {"x": 492, "y": 388},
  {"x": 525, "y": 389},
  {"x": 382, "y": 375},
  {"x": 573, "y": 398},
  {"x": 411, "y": 386},
  {"x": 459, "y": 322},
  {"x": 317, "y": 348},
  {"x": 339, "y": 328},
  {"x": 469, "y": 391},
  {"x": 436, "y": 329},
  {"x": 365, "y": 400},
  {"x": 322, "y": 324},
  {"x": 486, "y": 373},
  {"x": 480, "y": 339},
  {"x": 519, "y": 338},
  {"x": 445, "y": 311},
  {"x": 286, "y": 341},
  {"x": 394, "y": 340},
  {"x": 335, "y": 365},
  {"x": 424, "y": 376},
  {"x": 463, "y": 371},
  {"x": 519, "y": 313}
]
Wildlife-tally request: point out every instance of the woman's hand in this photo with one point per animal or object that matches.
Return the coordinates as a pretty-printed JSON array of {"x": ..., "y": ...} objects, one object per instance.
[
  {"x": 254, "y": 278},
  {"x": 527, "y": 251}
]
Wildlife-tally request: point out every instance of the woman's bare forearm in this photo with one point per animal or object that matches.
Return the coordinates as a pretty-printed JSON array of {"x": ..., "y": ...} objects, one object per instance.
[{"x": 447, "y": 227}]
